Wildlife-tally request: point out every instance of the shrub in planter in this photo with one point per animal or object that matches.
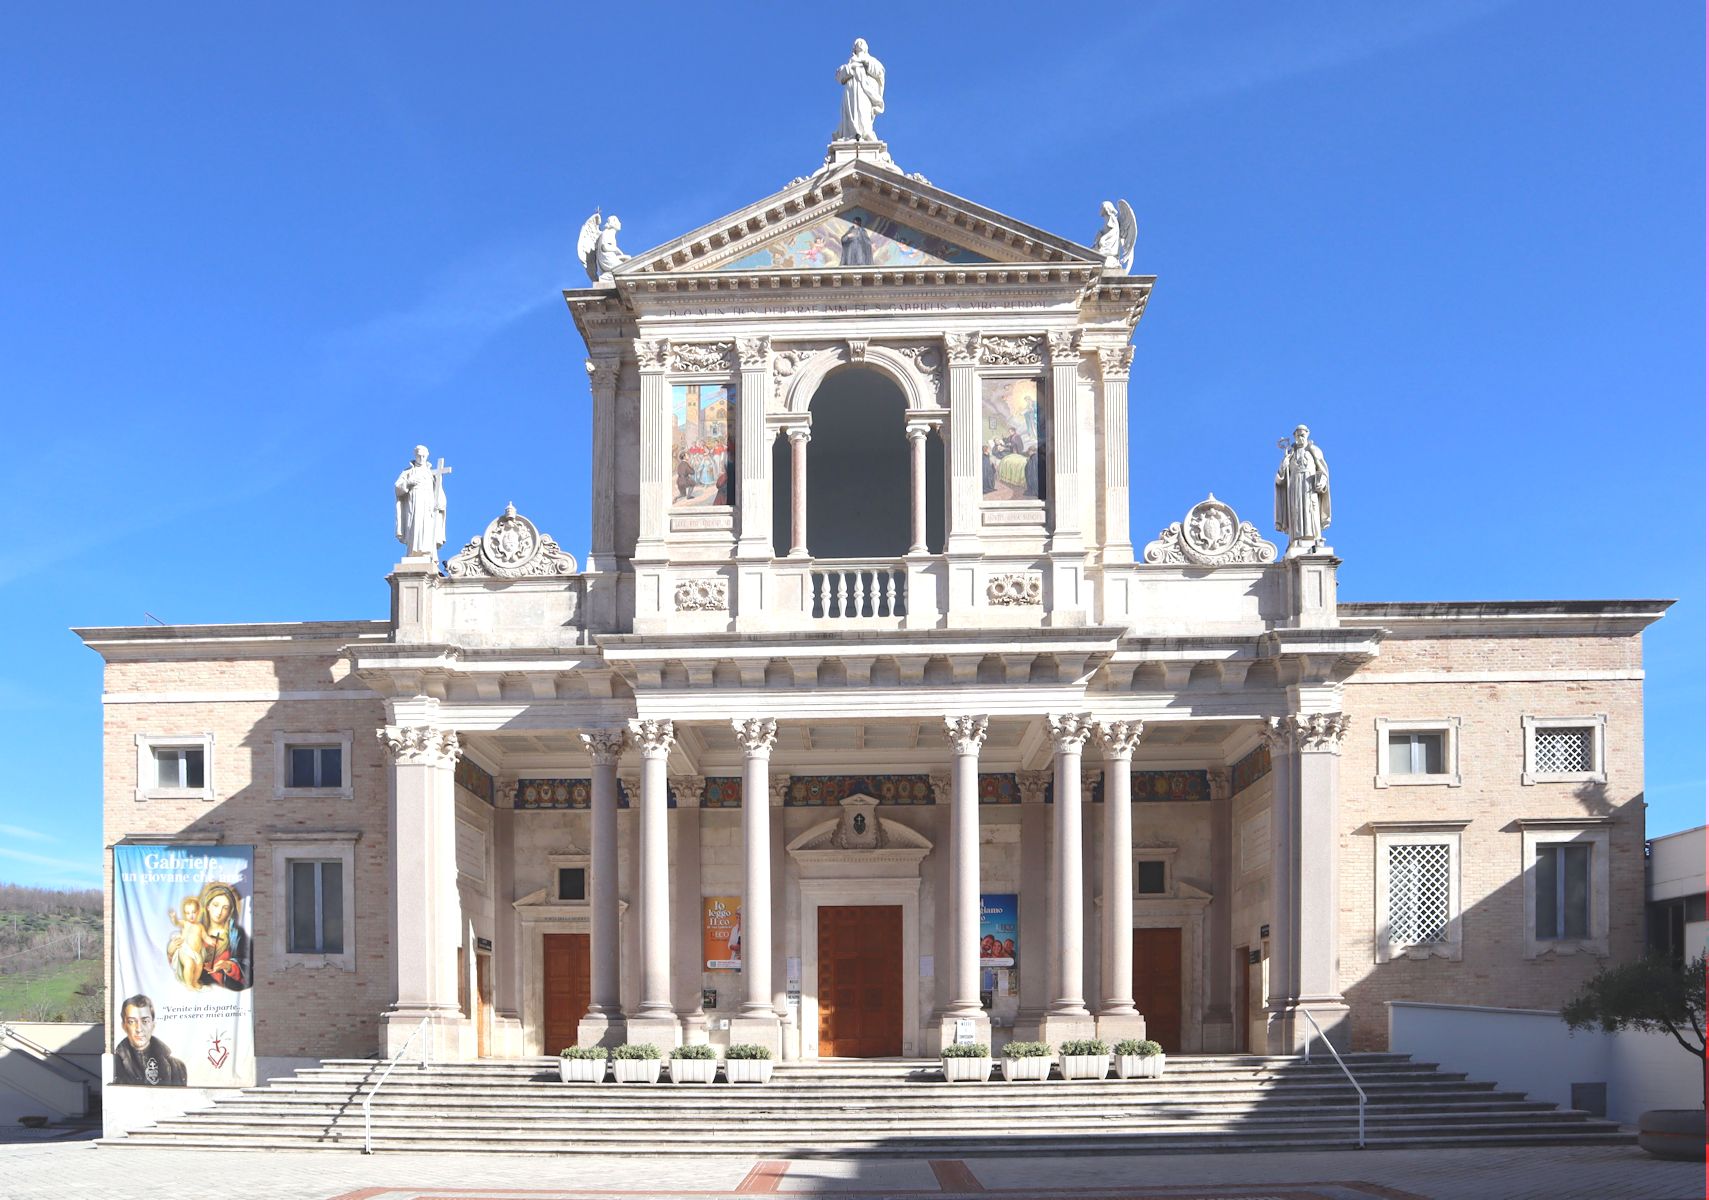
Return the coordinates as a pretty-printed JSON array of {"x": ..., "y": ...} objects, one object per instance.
[
  {"x": 581, "y": 1064},
  {"x": 745, "y": 1062},
  {"x": 1027, "y": 1060},
  {"x": 694, "y": 1064},
  {"x": 1139, "y": 1060},
  {"x": 1085, "y": 1058},
  {"x": 636, "y": 1062},
  {"x": 966, "y": 1064}
]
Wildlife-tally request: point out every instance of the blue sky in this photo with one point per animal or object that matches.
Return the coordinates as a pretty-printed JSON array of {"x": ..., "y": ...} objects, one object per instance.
[{"x": 254, "y": 254}]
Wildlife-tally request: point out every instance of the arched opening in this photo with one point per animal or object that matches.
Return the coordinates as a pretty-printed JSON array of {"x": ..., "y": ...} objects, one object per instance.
[{"x": 858, "y": 490}]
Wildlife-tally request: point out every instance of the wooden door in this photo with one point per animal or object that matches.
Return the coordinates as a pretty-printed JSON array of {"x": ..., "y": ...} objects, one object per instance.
[
  {"x": 1157, "y": 984},
  {"x": 484, "y": 1004},
  {"x": 860, "y": 981},
  {"x": 1242, "y": 999},
  {"x": 565, "y": 972}
]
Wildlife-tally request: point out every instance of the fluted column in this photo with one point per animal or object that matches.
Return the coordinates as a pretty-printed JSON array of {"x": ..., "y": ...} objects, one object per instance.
[
  {"x": 655, "y": 739},
  {"x": 1117, "y": 1017},
  {"x": 753, "y": 451},
  {"x": 799, "y": 436},
  {"x": 917, "y": 432},
  {"x": 604, "y": 747},
  {"x": 962, "y": 352},
  {"x": 966, "y": 734},
  {"x": 1068, "y": 601},
  {"x": 421, "y": 761},
  {"x": 757, "y": 1020},
  {"x": 1115, "y": 365},
  {"x": 1067, "y": 1016}
]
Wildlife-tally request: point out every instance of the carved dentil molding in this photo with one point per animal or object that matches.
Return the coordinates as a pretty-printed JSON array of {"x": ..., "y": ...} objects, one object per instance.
[
  {"x": 1068, "y": 731},
  {"x": 1015, "y": 588},
  {"x": 756, "y": 735},
  {"x": 965, "y": 734},
  {"x": 605, "y": 746},
  {"x": 1210, "y": 535},
  {"x": 1120, "y": 737},
  {"x": 419, "y": 744},
  {"x": 1306, "y": 731},
  {"x": 654, "y": 737},
  {"x": 753, "y": 352},
  {"x": 998, "y": 351},
  {"x": 708, "y": 594},
  {"x": 511, "y": 548}
]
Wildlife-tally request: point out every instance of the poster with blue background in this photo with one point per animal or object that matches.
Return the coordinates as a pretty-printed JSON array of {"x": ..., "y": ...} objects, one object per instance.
[
  {"x": 183, "y": 997},
  {"x": 999, "y": 928}
]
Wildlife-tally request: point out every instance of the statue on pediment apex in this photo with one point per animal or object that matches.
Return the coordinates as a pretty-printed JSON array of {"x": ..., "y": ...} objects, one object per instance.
[
  {"x": 1302, "y": 494},
  {"x": 862, "y": 78}
]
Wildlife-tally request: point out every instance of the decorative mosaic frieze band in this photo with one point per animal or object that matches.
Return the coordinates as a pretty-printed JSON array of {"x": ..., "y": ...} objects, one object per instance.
[
  {"x": 474, "y": 780},
  {"x": 564, "y": 793},
  {"x": 1251, "y": 769}
]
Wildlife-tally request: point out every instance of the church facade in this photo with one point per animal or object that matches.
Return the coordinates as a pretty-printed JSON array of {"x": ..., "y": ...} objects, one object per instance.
[{"x": 868, "y": 722}]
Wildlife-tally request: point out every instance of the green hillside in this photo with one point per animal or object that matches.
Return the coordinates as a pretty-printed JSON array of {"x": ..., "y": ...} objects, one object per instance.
[
  {"x": 64, "y": 991},
  {"x": 50, "y": 954}
]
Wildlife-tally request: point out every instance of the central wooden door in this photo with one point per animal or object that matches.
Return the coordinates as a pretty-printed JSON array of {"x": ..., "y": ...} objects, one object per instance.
[
  {"x": 1157, "y": 984},
  {"x": 565, "y": 972},
  {"x": 860, "y": 981}
]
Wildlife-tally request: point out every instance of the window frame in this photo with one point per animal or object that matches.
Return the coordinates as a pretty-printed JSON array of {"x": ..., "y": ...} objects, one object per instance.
[
  {"x": 284, "y": 742},
  {"x": 1592, "y": 831},
  {"x": 1597, "y": 723},
  {"x": 148, "y": 771},
  {"x": 1038, "y": 508},
  {"x": 557, "y": 862},
  {"x": 1416, "y": 833},
  {"x": 324, "y": 846},
  {"x": 1448, "y": 727},
  {"x": 1161, "y": 854}
]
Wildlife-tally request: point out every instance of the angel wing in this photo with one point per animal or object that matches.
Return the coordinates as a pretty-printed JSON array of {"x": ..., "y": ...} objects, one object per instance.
[
  {"x": 1129, "y": 228},
  {"x": 586, "y": 242}
]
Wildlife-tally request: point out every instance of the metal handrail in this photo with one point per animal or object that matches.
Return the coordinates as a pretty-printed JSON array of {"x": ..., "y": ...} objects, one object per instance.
[
  {"x": 36, "y": 1048},
  {"x": 1306, "y": 1054},
  {"x": 368, "y": 1100}
]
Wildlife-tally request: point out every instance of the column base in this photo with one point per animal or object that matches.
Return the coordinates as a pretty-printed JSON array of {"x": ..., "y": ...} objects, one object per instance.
[
  {"x": 1286, "y": 1032},
  {"x": 597, "y": 1029},
  {"x": 1028, "y": 1027},
  {"x": 1119, "y": 1027},
  {"x": 758, "y": 1031},
  {"x": 663, "y": 1032},
  {"x": 944, "y": 1031},
  {"x": 448, "y": 1036},
  {"x": 509, "y": 1039},
  {"x": 1057, "y": 1028}
]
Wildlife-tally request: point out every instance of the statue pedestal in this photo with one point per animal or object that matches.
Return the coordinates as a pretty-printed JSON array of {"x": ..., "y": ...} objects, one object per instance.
[
  {"x": 878, "y": 153},
  {"x": 414, "y": 581}
]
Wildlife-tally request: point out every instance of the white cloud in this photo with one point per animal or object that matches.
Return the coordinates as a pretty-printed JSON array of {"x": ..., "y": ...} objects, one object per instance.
[{"x": 18, "y": 831}]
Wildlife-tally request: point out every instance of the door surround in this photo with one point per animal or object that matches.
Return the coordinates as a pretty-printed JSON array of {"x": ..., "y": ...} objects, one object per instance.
[
  {"x": 540, "y": 916},
  {"x": 1185, "y": 910},
  {"x": 835, "y": 892}
]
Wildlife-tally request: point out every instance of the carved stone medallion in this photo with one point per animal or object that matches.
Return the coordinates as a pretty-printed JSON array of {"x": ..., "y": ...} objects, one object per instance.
[
  {"x": 1210, "y": 535},
  {"x": 1015, "y": 588},
  {"x": 511, "y": 548},
  {"x": 711, "y": 594}
]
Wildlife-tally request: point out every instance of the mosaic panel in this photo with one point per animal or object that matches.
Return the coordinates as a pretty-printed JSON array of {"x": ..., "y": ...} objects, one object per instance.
[
  {"x": 855, "y": 237},
  {"x": 722, "y": 791},
  {"x": 814, "y": 791},
  {"x": 471, "y": 778},
  {"x": 1251, "y": 769},
  {"x": 565, "y": 793},
  {"x": 999, "y": 789}
]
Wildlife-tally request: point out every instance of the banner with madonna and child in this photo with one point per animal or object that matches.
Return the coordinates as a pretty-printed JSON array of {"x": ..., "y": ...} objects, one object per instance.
[{"x": 183, "y": 999}]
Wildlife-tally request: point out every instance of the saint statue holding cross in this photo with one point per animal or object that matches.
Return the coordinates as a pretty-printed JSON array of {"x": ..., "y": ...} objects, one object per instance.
[{"x": 421, "y": 506}]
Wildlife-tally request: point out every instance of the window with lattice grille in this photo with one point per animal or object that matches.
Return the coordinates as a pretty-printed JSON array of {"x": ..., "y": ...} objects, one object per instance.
[
  {"x": 1566, "y": 749},
  {"x": 1418, "y": 893}
]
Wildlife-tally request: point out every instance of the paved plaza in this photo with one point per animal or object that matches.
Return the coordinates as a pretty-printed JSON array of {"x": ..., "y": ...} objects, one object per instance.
[{"x": 47, "y": 1170}]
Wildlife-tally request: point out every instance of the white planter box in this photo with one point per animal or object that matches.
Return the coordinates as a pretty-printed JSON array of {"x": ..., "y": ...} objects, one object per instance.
[
  {"x": 966, "y": 1070},
  {"x": 747, "y": 1070},
  {"x": 581, "y": 1070},
  {"x": 1133, "y": 1066},
  {"x": 1085, "y": 1066},
  {"x": 636, "y": 1070},
  {"x": 693, "y": 1070},
  {"x": 1034, "y": 1069}
]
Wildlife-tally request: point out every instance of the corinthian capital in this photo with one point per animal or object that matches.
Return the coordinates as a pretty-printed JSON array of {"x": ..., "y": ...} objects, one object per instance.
[
  {"x": 1310, "y": 732},
  {"x": 1069, "y": 731},
  {"x": 1064, "y": 345},
  {"x": 962, "y": 347},
  {"x": 650, "y": 354},
  {"x": 689, "y": 790},
  {"x": 419, "y": 743},
  {"x": 1117, "y": 362},
  {"x": 965, "y": 734},
  {"x": 605, "y": 746},
  {"x": 753, "y": 352},
  {"x": 602, "y": 374},
  {"x": 654, "y": 737},
  {"x": 757, "y": 735},
  {"x": 1032, "y": 785},
  {"x": 1119, "y": 737}
]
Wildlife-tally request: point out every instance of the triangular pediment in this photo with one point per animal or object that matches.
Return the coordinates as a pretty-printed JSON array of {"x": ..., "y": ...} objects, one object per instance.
[{"x": 903, "y": 223}]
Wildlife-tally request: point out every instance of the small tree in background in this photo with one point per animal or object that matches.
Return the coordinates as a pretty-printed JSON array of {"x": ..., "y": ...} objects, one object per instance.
[{"x": 1652, "y": 995}]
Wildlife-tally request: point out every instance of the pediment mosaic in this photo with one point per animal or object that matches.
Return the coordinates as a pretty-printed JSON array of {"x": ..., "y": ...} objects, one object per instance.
[{"x": 854, "y": 237}]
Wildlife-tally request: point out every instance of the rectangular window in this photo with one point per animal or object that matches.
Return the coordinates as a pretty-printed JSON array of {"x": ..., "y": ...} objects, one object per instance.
[
  {"x": 1150, "y": 878},
  {"x": 1011, "y": 440},
  {"x": 1418, "y": 893},
  {"x": 1565, "y": 749},
  {"x": 178, "y": 767},
  {"x": 572, "y": 883},
  {"x": 1563, "y": 891},
  {"x": 314, "y": 766},
  {"x": 703, "y": 465},
  {"x": 316, "y": 905},
  {"x": 1416, "y": 753}
]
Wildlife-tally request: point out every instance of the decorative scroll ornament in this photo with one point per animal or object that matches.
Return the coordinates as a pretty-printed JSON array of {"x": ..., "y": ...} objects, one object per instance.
[
  {"x": 703, "y": 595},
  {"x": 511, "y": 548},
  {"x": 962, "y": 347},
  {"x": 927, "y": 360},
  {"x": 1211, "y": 535},
  {"x": 419, "y": 743},
  {"x": 753, "y": 352},
  {"x": 1306, "y": 731},
  {"x": 857, "y": 350},
  {"x": 1015, "y": 588},
  {"x": 995, "y": 351},
  {"x": 703, "y": 358},
  {"x": 965, "y": 734}
]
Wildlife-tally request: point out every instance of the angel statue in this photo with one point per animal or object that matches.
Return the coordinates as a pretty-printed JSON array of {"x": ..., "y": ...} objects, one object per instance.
[
  {"x": 1116, "y": 239},
  {"x": 862, "y": 78},
  {"x": 597, "y": 248}
]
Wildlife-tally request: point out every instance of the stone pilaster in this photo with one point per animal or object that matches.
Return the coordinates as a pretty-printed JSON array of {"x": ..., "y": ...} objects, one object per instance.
[
  {"x": 651, "y": 357},
  {"x": 753, "y": 450},
  {"x": 1117, "y": 1016},
  {"x": 1038, "y": 908},
  {"x": 1068, "y": 599},
  {"x": 1116, "y": 541},
  {"x": 961, "y": 351},
  {"x": 1219, "y": 945},
  {"x": 757, "y": 1021},
  {"x": 1067, "y": 1017},
  {"x": 686, "y": 906},
  {"x": 654, "y": 1020}
]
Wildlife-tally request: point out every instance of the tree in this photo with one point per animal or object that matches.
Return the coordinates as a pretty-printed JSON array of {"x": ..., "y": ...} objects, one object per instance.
[{"x": 1651, "y": 995}]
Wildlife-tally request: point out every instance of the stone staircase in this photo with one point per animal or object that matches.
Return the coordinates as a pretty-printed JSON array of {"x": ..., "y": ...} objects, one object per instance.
[{"x": 888, "y": 1107}]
